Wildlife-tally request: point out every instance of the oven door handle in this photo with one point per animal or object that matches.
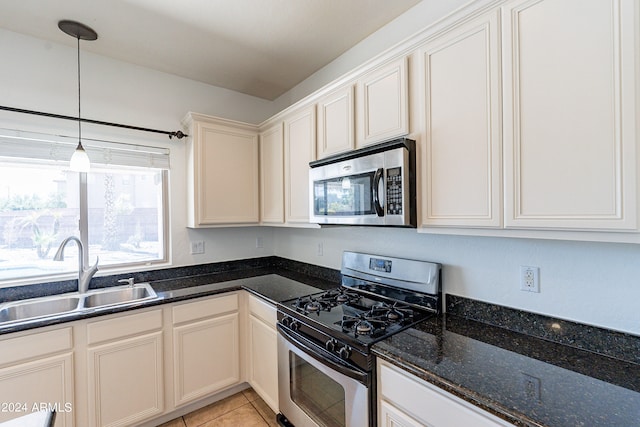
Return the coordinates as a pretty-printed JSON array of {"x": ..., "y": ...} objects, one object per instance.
[{"x": 321, "y": 355}]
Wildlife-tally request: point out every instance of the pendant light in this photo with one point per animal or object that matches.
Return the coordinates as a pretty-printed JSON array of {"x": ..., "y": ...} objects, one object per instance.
[{"x": 79, "y": 161}]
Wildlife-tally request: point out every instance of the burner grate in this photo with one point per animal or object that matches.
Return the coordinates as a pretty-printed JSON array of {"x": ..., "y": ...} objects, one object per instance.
[
  {"x": 363, "y": 325},
  {"x": 396, "y": 312}
]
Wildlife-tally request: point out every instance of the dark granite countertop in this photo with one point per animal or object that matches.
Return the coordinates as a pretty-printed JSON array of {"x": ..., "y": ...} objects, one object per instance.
[
  {"x": 269, "y": 284},
  {"x": 525, "y": 380},
  {"x": 274, "y": 283}
]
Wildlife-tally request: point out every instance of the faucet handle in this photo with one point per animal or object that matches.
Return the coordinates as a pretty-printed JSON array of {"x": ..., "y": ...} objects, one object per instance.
[{"x": 128, "y": 281}]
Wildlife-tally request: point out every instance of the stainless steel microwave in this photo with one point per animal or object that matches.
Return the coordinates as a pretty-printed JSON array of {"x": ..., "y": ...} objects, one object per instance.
[{"x": 375, "y": 185}]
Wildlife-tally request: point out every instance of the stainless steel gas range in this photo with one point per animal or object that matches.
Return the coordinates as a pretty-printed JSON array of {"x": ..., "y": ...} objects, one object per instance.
[{"x": 326, "y": 371}]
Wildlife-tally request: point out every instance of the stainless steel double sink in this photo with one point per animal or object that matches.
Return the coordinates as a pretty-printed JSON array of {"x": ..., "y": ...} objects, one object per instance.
[{"x": 60, "y": 305}]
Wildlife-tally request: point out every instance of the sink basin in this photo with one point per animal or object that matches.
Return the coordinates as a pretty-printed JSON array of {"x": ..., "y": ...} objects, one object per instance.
[
  {"x": 75, "y": 303},
  {"x": 39, "y": 308},
  {"x": 120, "y": 295}
]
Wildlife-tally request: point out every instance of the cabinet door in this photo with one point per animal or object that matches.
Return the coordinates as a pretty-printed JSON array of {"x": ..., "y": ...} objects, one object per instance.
[
  {"x": 335, "y": 122},
  {"x": 126, "y": 381},
  {"x": 206, "y": 357},
  {"x": 421, "y": 403},
  {"x": 393, "y": 417},
  {"x": 263, "y": 363},
  {"x": 570, "y": 114},
  {"x": 383, "y": 103},
  {"x": 263, "y": 350},
  {"x": 49, "y": 381},
  {"x": 37, "y": 368},
  {"x": 272, "y": 176},
  {"x": 462, "y": 157},
  {"x": 300, "y": 149},
  {"x": 224, "y": 168}
]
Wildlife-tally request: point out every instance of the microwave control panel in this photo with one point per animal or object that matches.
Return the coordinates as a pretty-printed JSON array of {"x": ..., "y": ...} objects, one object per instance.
[{"x": 394, "y": 191}]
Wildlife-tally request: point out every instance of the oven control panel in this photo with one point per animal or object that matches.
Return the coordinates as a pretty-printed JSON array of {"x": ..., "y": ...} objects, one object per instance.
[{"x": 378, "y": 264}]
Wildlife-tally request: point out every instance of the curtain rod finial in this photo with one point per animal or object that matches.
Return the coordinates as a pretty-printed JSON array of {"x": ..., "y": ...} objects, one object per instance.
[{"x": 178, "y": 134}]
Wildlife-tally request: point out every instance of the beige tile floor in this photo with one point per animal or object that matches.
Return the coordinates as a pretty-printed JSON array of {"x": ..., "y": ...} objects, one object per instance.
[{"x": 244, "y": 409}]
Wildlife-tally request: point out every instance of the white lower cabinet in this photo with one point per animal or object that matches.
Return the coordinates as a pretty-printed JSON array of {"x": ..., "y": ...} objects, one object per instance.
[
  {"x": 263, "y": 351},
  {"x": 36, "y": 372},
  {"x": 391, "y": 416},
  {"x": 407, "y": 401},
  {"x": 206, "y": 352},
  {"x": 133, "y": 368},
  {"x": 125, "y": 369}
]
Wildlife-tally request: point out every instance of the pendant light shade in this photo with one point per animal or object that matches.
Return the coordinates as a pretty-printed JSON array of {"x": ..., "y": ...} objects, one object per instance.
[{"x": 79, "y": 160}]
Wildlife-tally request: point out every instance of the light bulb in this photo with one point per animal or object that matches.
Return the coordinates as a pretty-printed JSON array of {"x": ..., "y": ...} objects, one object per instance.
[
  {"x": 79, "y": 161},
  {"x": 346, "y": 183}
]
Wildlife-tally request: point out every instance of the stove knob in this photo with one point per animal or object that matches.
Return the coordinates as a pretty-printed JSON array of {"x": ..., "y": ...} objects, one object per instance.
[
  {"x": 294, "y": 325},
  {"x": 344, "y": 352},
  {"x": 286, "y": 321},
  {"x": 331, "y": 345}
]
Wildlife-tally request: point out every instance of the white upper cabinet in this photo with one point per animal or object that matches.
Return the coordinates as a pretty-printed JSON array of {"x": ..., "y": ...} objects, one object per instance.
[
  {"x": 383, "y": 103},
  {"x": 570, "y": 115},
  {"x": 299, "y": 150},
  {"x": 336, "y": 122},
  {"x": 272, "y": 176},
  {"x": 222, "y": 172},
  {"x": 461, "y": 163}
]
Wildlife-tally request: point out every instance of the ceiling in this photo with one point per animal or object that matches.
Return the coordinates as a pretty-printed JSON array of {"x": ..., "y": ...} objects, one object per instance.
[{"x": 258, "y": 47}]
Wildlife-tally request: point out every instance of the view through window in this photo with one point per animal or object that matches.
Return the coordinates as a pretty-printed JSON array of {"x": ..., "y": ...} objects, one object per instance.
[{"x": 40, "y": 206}]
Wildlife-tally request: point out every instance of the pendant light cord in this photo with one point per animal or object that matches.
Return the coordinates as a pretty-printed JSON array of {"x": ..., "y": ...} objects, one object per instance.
[
  {"x": 79, "y": 121},
  {"x": 79, "y": 116}
]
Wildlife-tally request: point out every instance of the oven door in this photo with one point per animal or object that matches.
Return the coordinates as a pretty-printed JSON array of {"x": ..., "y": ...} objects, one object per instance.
[{"x": 316, "y": 388}]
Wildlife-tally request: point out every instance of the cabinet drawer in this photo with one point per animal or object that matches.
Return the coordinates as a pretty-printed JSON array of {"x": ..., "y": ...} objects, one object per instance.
[
  {"x": 35, "y": 345},
  {"x": 125, "y": 326},
  {"x": 262, "y": 310},
  {"x": 429, "y": 404},
  {"x": 203, "y": 308}
]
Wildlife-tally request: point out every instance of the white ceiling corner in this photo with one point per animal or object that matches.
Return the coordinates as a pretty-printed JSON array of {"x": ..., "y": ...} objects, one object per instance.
[{"x": 258, "y": 47}]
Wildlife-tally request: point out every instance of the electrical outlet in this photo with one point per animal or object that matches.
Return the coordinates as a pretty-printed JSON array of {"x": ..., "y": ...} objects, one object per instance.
[
  {"x": 529, "y": 278},
  {"x": 320, "y": 249},
  {"x": 259, "y": 243},
  {"x": 531, "y": 388},
  {"x": 197, "y": 247}
]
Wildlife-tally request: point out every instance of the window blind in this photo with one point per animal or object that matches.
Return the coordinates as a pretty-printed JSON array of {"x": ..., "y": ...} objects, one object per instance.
[{"x": 59, "y": 148}]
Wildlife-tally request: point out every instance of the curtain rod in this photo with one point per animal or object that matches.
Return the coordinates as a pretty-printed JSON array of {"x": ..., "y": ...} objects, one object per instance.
[{"x": 178, "y": 134}]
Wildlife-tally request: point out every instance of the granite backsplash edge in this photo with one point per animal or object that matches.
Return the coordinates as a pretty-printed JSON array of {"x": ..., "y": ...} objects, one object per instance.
[{"x": 606, "y": 342}]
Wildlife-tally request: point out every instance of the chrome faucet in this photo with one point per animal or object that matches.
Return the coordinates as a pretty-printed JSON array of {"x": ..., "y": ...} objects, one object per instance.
[{"x": 84, "y": 276}]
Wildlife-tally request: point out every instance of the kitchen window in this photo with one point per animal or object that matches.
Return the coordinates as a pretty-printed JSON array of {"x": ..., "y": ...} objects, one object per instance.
[{"x": 119, "y": 208}]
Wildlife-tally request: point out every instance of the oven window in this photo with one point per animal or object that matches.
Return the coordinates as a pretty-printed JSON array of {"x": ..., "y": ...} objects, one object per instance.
[
  {"x": 344, "y": 196},
  {"x": 316, "y": 394}
]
